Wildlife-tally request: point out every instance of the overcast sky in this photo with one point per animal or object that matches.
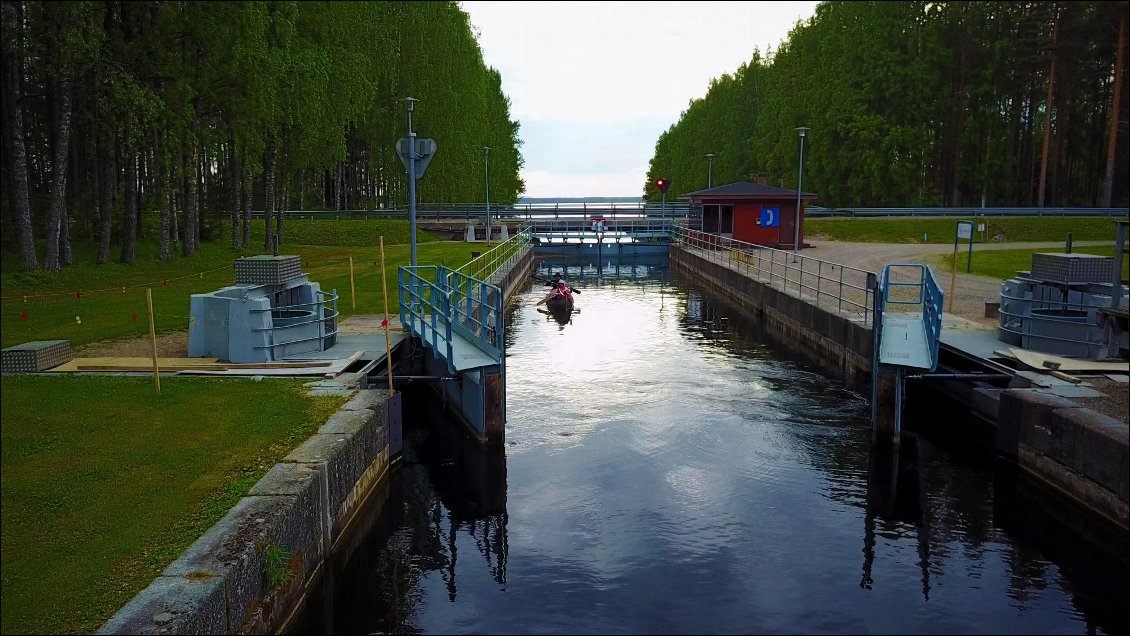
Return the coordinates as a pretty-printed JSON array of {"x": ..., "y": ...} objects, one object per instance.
[{"x": 593, "y": 84}]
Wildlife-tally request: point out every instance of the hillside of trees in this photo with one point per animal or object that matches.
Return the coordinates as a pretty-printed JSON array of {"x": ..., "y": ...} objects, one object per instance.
[
  {"x": 922, "y": 104},
  {"x": 172, "y": 117}
]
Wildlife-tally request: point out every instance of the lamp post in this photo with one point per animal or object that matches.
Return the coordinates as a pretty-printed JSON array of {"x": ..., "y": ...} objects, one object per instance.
[
  {"x": 799, "y": 179},
  {"x": 411, "y": 181},
  {"x": 709, "y": 164},
  {"x": 486, "y": 184}
]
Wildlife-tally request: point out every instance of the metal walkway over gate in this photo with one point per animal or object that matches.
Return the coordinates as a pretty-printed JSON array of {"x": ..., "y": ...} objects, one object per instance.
[
  {"x": 907, "y": 327},
  {"x": 460, "y": 317}
]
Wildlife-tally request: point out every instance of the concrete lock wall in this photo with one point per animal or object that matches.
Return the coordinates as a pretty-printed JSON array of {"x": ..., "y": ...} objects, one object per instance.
[
  {"x": 1079, "y": 452},
  {"x": 837, "y": 345},
  {"x": 293, "y": 516}
]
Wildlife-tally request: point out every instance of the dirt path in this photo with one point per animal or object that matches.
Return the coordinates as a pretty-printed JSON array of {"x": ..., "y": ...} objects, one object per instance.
[{"x": 170, "y": 345}]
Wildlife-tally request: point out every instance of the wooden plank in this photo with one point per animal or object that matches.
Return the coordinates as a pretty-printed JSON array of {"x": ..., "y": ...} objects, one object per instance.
[
  {"x": 202, "y": 367},
  {"x": 1069, "y": 378},
  {"x": 1036, "y": 360}
]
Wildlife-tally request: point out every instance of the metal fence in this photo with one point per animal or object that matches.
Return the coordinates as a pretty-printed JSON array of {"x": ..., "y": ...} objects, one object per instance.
[
  {"x": 825, "y": 283},
  {"x": 815, "y": 212},
  {"x": 921, "y": 294},
  {"x": 437, "y": 303},
  {"x": 498, "y": 258},
  {"x": 478, "y": 211}
]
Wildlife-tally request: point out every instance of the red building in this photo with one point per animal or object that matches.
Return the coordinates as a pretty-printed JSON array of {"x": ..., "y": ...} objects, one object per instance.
[{"x": 751, "y": 212}]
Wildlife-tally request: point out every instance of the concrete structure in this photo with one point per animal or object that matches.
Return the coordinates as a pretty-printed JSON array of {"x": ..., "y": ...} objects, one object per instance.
[
  {"x": 302, "y": 509},
  {"x": 271, "y": 313},
  {"x": 751, "y": 212}
]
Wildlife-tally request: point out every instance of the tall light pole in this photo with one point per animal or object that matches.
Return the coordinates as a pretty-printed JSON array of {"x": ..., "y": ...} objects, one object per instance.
[
  {"x": 486, "y": 183},
  {"x": 709, "y": 164},
  {"x": 411, "y": 181},
  {"x": 799, "y": 180}
]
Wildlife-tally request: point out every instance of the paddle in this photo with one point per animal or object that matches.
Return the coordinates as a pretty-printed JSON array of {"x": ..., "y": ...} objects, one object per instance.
[{"x": 536, "y": 277}]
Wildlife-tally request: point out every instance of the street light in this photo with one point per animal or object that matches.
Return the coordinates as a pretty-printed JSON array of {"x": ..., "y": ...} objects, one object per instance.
[
  {"x": 411, "y": 181},
  {"x": 709, "y": 164},
  {"x": 799, "y": 179},
  {"x": 486, "y": 183}
]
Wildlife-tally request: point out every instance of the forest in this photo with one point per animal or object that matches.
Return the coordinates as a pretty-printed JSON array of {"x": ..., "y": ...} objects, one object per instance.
[
  {"x": 171, "y": 121},
  {"x": 991, "y": 104}
]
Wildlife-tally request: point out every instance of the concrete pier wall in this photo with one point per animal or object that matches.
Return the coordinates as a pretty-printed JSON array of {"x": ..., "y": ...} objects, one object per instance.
[{"x": 250, "y": 571}]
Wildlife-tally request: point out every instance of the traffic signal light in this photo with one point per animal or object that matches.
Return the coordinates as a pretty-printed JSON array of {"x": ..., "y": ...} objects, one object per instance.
[{"x": 662, "y": 185}]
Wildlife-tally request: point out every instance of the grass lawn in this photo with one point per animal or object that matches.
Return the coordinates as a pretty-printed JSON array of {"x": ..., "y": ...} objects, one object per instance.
[
  {"x": 941, "y": 230},
  {"x": 1004, "y": 264},
  {"x": 44, "y": 306},
  {"x": 104, "y": 483}
]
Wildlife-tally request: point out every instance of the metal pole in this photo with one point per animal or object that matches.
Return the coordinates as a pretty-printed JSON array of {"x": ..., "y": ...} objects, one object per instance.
[
  {"x": 709, "y": 171},
  {"x": 486, "y": 181},
  {"x": 1119, "y": 251},
  {"x": 799, "y": 180},
  {"x": 411, "y": 182}
]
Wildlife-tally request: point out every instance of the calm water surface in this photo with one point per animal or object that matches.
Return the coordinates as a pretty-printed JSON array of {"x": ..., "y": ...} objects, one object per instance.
[{"x": 667, "y": 472}]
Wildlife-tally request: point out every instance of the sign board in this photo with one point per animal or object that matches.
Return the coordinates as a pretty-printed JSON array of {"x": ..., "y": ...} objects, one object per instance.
[
  {"x": 425, "y": 150},
  {"x": 770, "y": 217},
  {"x": 598, "y": 224},
  {"x": 965, "y": 229}
]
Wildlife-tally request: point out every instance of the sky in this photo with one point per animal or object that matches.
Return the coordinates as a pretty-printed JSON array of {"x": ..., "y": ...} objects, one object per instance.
[{"x": 594, "y": 84}]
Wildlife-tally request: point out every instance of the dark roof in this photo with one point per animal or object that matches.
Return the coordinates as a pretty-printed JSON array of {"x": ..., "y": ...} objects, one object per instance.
[{"x": 747, "y": 190}]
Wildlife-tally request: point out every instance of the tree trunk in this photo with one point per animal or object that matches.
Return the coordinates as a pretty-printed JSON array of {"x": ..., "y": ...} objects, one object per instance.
[
  {"x": 248, "y": 190},
  {"x": 279, "y": 214},
  {"x": 233, "y": 191},
  {"x": 61, "y": 109},
  {"x": 66, "y": 258},
  {"x": 129, "y": 210},
  {"x": 14, "y": 148},
  {"x": 188, "y": 188},
  {"x": 268, "y": 195},
  {"x": 169, "y": 185},
  {"x": 959, "y": 128},
  {"x": 1048, "y": 107},
  {"x": 106, "y": 187},
  {"x": 1115, "y": 109}
]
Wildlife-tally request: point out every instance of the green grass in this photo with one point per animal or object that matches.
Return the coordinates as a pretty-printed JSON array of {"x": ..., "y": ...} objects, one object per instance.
[
  {"x": 1004, "y": 264},
  {"x": 44, "y": 306},
  {"x": 104, "y": 483},
  {"x": 941, "y": 230}
]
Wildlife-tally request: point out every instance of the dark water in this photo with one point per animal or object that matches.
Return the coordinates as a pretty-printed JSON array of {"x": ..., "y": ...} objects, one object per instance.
[{"x": 668, "y": 472}]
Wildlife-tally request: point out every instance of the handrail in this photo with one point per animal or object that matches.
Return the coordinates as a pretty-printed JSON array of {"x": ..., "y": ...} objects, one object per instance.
[
  {"x": 813, "y": 279},
  {"x": 328, "y": 317},
  {"x": 437, "y": 303},
  {"x": 499, "y": 257}
]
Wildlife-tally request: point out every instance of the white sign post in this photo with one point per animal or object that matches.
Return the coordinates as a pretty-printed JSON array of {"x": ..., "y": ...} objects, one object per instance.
[{"x": 964, "y": 231}]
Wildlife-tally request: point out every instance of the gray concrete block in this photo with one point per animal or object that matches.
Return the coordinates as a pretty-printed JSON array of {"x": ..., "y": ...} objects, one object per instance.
[
  {"x": 987, "y": 402},
  {"x": 1104, "y": 451},
  {"x": 234, "y": 548},
  {"x": 370, "y": 399},
  {"x": 1065, "y": 442},
  {"x": 173, "y": 605},
  {"x": 1019, "y": 418}
]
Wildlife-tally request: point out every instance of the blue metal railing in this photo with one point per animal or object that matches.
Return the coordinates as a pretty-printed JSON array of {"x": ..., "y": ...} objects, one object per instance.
[
  {"x": 328, "y": 320},
  {"x": 437, "y": 304}
]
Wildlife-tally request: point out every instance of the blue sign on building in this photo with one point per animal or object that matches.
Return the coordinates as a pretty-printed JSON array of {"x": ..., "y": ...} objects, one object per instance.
[{"x": 770, "y": 217}]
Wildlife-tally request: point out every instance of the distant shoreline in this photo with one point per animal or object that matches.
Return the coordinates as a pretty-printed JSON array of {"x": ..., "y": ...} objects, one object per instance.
[{"x": 580, "y": 200}]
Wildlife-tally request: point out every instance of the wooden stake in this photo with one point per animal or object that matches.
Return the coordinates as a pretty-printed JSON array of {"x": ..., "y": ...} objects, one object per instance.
[
  {"x": 153, "y": 340},
  {"x": 953, "y": 279},
  {"x": 352, "y": 289},
  {"x": 384, "y": 290}
]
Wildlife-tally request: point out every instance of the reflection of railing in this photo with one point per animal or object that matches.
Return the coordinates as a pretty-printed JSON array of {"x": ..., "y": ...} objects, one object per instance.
[
  {"x": 437, "y": 303},
  {"x": 499, "y": 257},
  {"x": 327, "y": 321},
  {"x": 824, "y": 282}
]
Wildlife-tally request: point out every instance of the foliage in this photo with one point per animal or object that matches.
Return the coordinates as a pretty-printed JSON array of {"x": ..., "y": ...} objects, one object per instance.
[
  {"x": 105, "y": 483},
  {"x": 216, "y": 106},
  {"x": 1004, "y": 264},
  {"x": 276, "y": 560},
  {"x": 916, "y": 103}
]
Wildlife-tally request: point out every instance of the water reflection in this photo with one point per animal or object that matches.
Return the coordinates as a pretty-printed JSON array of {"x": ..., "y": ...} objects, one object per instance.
[{"x": 668, "y": 469}]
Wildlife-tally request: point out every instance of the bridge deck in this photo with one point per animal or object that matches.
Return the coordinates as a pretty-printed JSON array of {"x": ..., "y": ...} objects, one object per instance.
[
  {"x": 904, "y": 341},
  {"x": 466, "y": 356}
]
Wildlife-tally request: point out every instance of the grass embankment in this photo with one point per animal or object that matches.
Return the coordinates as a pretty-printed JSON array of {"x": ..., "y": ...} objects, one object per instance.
[
  {"x": 1004, "y": 264},
  {"x": 89, "y": 303},
  {"x": 104, "y": 483},
  {"x": 942, "y": 230}
]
